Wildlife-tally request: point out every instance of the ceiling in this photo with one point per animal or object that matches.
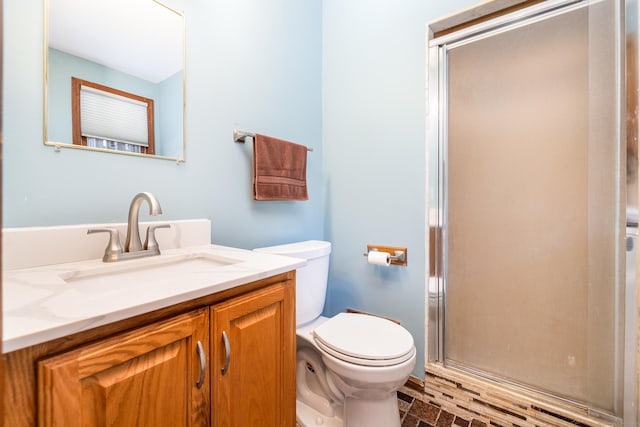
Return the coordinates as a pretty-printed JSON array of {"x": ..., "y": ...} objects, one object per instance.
[{"x": 139, "y": 37}]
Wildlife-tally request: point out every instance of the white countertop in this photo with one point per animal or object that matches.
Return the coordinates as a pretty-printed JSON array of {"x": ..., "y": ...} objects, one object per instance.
[{"x": 49, "y": 302}]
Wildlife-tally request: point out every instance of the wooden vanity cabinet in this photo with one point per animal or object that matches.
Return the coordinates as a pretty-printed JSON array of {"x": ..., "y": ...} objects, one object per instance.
[
  {"x": 148, "y": 377},
  {"x": 145, "y": 371},
  {"x": 253, "y": 363}
]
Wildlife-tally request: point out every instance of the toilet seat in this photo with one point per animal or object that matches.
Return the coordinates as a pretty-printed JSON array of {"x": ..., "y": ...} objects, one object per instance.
[{"x": 364, "y": 340}]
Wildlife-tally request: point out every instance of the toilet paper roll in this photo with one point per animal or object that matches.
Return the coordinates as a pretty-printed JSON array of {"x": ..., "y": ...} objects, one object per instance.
[{"x": 379, "y": 258}]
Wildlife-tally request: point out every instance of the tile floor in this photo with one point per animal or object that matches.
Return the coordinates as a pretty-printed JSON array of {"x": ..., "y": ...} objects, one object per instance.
[{"x": 416, "y": 412}]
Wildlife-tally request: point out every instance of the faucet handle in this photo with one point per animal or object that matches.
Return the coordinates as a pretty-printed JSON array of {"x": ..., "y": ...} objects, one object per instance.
[
  {"x": 113, "y": 247},
  {"x": 150, "y": 242}
]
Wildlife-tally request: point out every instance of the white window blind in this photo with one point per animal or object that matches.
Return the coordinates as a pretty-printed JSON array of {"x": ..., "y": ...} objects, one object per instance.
[{"x": 114, "y": 117}]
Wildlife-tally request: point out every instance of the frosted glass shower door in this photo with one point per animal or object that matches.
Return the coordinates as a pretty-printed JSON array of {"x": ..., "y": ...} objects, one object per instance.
[{"x": 533, "y": 227}]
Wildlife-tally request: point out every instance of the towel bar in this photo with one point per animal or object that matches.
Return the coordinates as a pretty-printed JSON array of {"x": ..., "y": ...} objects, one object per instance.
[{"x": 241, "y": 136}]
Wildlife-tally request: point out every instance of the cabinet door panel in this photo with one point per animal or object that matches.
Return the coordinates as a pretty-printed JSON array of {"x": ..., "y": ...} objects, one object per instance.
[
  {"x": 106, "y": 393},
  {"x": 146, "y": 377},
  {"x": 258, "y": 387}
]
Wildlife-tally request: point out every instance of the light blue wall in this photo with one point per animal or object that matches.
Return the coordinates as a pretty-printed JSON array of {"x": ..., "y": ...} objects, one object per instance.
[
  {"x": 374, "y": 144},
  {"x": 169, "y": 116},
  {"x": 252, "y": 65},
  {"x": 346, "y": 77}
]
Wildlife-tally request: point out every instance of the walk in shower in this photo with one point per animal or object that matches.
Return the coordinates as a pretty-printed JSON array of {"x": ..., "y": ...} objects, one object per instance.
[{"x": 533, "y": 199}]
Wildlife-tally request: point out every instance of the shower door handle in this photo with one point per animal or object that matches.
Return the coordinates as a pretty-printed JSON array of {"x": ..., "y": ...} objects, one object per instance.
[{"x": 227, "y": 352}]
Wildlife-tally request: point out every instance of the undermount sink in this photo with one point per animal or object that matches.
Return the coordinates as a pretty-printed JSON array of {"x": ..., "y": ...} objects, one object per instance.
[{"x": 149, "y": 269}]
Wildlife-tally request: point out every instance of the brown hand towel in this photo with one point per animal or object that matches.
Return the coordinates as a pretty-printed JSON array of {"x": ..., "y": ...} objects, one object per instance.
[{"x": 279, "y": 169}]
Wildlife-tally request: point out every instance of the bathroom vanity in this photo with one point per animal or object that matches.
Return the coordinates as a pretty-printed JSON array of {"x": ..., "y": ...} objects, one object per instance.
[{"x": 200, "y": 335}]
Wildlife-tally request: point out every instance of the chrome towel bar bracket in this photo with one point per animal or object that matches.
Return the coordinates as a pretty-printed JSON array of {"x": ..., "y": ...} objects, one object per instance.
[{"x": 241, "y": 136}]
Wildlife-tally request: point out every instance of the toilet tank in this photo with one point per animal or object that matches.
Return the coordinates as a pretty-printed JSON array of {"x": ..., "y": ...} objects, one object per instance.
[{"x": 311, "y": 280}]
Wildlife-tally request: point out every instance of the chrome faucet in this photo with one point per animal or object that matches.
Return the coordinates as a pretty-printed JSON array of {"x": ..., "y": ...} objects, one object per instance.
[
  {"x": 133, "y": 246},
  {"x": 133, "y": 242}
]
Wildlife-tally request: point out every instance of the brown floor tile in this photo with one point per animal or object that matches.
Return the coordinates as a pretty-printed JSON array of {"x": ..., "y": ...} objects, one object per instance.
[
  {"x": 410, "y": 421},
  {"x": 423, "y": 424},
  {"x": 404, "y": 397},
  {"x": 404, "y": 403},
  {"x": 424, "y": 411},
  {"x": 403, "y": 406},
  {"x": 445, "y": 419}
]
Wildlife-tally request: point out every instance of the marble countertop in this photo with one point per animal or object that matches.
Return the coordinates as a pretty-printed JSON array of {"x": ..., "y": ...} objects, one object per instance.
[{"x": 49, "y": 302}]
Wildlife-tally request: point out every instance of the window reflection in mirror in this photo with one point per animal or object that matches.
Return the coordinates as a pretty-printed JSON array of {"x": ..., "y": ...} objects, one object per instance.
[
  {"x": 133, "y": 48},
  {"x": 104, "y": 117}
]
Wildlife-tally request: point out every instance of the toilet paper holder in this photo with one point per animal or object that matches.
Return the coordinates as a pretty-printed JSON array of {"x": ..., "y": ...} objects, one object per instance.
[{"x": 398, "y": 255}]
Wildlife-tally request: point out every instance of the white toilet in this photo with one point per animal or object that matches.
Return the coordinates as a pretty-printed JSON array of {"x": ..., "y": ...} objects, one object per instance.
[{"x": 350, "y": 366}]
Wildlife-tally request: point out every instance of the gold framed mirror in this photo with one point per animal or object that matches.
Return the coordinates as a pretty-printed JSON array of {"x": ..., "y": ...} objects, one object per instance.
[{"x": 114, "y": 77}]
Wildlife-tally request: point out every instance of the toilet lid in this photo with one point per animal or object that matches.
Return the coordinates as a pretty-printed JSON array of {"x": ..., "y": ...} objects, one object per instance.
[{"x": 365, "y": 340}]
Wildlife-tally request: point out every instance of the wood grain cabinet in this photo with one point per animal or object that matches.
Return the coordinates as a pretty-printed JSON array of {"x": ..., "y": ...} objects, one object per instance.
[
  {"x": 253, "y": 348},
  {"x": 148, "y": 371},
  {"x": 148, "y": 377}
]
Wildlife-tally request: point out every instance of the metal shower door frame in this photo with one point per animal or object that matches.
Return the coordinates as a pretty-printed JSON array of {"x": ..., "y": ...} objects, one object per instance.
[{"x": 436, "y": 54}]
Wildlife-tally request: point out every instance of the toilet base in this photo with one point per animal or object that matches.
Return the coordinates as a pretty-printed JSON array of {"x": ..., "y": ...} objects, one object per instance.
[
  {"x": 372, "y": 413},
  {"x": 359, "y": 413},
  {"x": 306, "y": 416}
]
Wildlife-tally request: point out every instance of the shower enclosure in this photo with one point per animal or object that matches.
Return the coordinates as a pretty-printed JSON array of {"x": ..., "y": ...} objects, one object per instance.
[{"x": 533, "y": 199}]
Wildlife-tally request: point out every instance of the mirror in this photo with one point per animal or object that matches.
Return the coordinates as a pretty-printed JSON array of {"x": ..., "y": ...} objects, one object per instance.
[{"x": 105, "y": 55}]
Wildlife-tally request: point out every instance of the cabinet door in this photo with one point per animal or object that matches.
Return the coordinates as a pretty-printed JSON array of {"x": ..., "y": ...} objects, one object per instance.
[
  {"x": 255, "y": 384},
  {"x": 146, "y": 377}
]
